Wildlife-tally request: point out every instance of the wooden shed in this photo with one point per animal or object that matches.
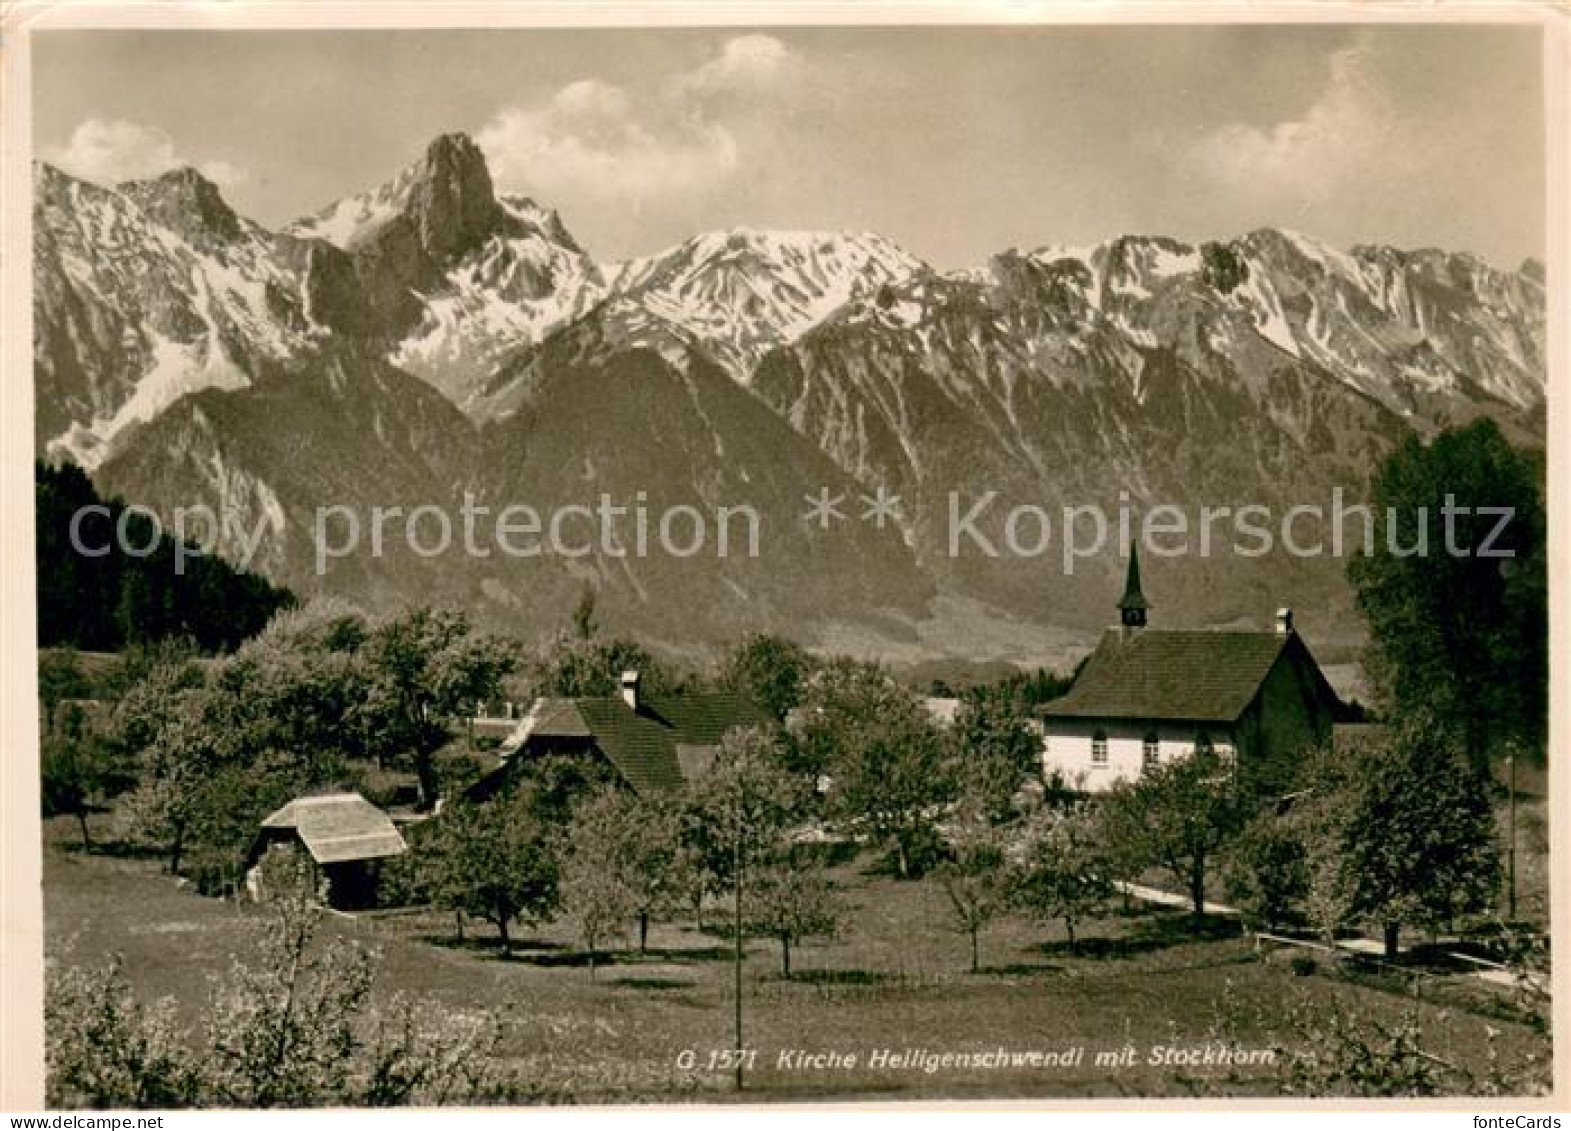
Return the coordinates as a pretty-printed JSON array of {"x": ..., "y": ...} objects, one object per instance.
[{"x": 344, "y": 836}]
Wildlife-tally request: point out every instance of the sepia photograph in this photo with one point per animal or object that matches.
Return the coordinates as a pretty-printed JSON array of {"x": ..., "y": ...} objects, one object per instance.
[{"x": 697, "y": 562}]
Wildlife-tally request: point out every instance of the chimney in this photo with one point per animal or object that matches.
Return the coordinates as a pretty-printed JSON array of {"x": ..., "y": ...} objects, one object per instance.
[
  {"x": 630, "y": 690},
  {"x": 1284, "y": 622}
]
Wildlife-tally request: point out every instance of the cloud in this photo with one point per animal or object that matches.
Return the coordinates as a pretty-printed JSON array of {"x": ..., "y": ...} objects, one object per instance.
[
  {"x": 108, "y": 151},
  {"x": 1339, "y": 138},
  {"x": 749, "y": 66},
  {"x": 592, "y": 144},
  {"x": 589, "y": 141}
]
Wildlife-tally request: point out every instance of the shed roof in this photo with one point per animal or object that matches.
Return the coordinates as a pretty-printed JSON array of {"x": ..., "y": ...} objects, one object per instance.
[
  {"x": 1191, "y": 676},
  {"x": 339, "y": 827}
]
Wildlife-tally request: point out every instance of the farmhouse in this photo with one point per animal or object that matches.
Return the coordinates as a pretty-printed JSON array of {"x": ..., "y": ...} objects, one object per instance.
[
  {"x": 343, "y": 835},
  {"x": 942, "y": 709},
  {"x": 1147, "y": 696},
  {"x": 653, "y": 743}
]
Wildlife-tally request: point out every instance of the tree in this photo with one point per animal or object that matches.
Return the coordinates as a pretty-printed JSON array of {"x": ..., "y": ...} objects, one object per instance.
[
  {"x": 595, "y": 893},
  {"x": 227, "y": 804},
  {"x": 424, "y": 668},
  {"x": 769, "y": 670},
  {"x": 1342, "y": 1050},
  {"x": 740, "y": 810},
  {"x": 652, "y": 859},
  {"x": 994, "y": 750},
  {"x": 492, "y": 861},
  {"x": 60, "y": 678},
  {"x": 175, "y": 758},
  {"x": 283, "y": 1025},
  {"x": 584, "y": 624},
  {"x": 975, "y": 881},
  {"x": 1176, "y": 815},
  {"x": 1456, "y": 634},
  {"x": 105, "y": 1048},
  {"x": 434, "y": 866},
  {"x": 1392, "y": 831},
  {"x": 552, "y": 783},
  {"x": 300, "y": 692},
  {"x": 1417, "y": 843},
  {"x": 790, "y": 900},
  {"x": 594, "y": 667},
  {"x": 156, "y": 681},
  {"x": 619, "y": 862},
  {"x": 1267, "y": 875},
  {"x": 216, "y": 747},
  {"x": 78, "y": 771},
  {"x": 884, "y": 755},
  {"x": 1062, "y": 871}
]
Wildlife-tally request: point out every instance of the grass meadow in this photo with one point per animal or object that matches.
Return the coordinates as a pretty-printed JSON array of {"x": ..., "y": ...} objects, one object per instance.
[{"x": 896, "y": 978}]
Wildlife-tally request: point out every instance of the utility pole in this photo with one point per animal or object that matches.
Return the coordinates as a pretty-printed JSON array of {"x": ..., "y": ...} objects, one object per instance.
[
  {"x": 1511, "y": 842},
  {"x": 736, "y": 927}
]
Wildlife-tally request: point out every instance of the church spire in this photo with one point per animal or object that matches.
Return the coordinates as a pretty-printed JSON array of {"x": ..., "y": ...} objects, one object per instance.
[{"x": 1133, "y": 605}]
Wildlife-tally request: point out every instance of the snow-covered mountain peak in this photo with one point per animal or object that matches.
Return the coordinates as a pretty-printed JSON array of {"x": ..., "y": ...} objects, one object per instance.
[
  {"x": 538, "y": 218},
  {"x": 1122, "y": 270},
  {"x": 744, "y": 291},
  {"x": 186, "y": 201},
  {"x": 818, "y": 262},
  {"x": 348, "y": 222},
  {"x": 145, "y": 293}
]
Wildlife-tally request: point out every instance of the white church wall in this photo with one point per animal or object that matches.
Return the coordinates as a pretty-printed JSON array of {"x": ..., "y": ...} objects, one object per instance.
[{"x": 1068, "y": 748}]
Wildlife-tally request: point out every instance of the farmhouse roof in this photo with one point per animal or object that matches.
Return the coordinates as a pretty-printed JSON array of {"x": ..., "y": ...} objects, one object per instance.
[
  {"x": 1190, "y": 676},
  {"x": 656, "y": 748},
  {"x": 942, "y": 709},
  {"x": 549, "y": 717},
  {"x": 339, "y": 827}
]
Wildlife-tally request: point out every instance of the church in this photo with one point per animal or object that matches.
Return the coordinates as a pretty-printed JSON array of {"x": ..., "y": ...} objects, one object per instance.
[{"x": 1147, "y": 696}]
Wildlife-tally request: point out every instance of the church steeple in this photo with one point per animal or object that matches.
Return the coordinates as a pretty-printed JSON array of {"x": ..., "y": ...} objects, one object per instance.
[{"x": 1132, "y": 607}]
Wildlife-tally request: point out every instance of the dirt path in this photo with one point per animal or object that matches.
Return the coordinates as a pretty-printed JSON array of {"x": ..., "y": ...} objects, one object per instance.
[{"x": 1494, "y": 975}]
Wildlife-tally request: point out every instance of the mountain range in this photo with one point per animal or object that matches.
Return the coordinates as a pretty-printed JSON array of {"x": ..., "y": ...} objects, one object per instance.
[{"x": 432, "y": 341}]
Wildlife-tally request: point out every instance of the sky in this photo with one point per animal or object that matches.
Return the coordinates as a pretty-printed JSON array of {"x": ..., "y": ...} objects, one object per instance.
[{"x": 956, "y": 142}]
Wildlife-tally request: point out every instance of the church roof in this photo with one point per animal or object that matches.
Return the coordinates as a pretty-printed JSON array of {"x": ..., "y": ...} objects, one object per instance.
[
  {"x": 1133, "y": 598},
  {"x": 1190, "y": 676}
]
